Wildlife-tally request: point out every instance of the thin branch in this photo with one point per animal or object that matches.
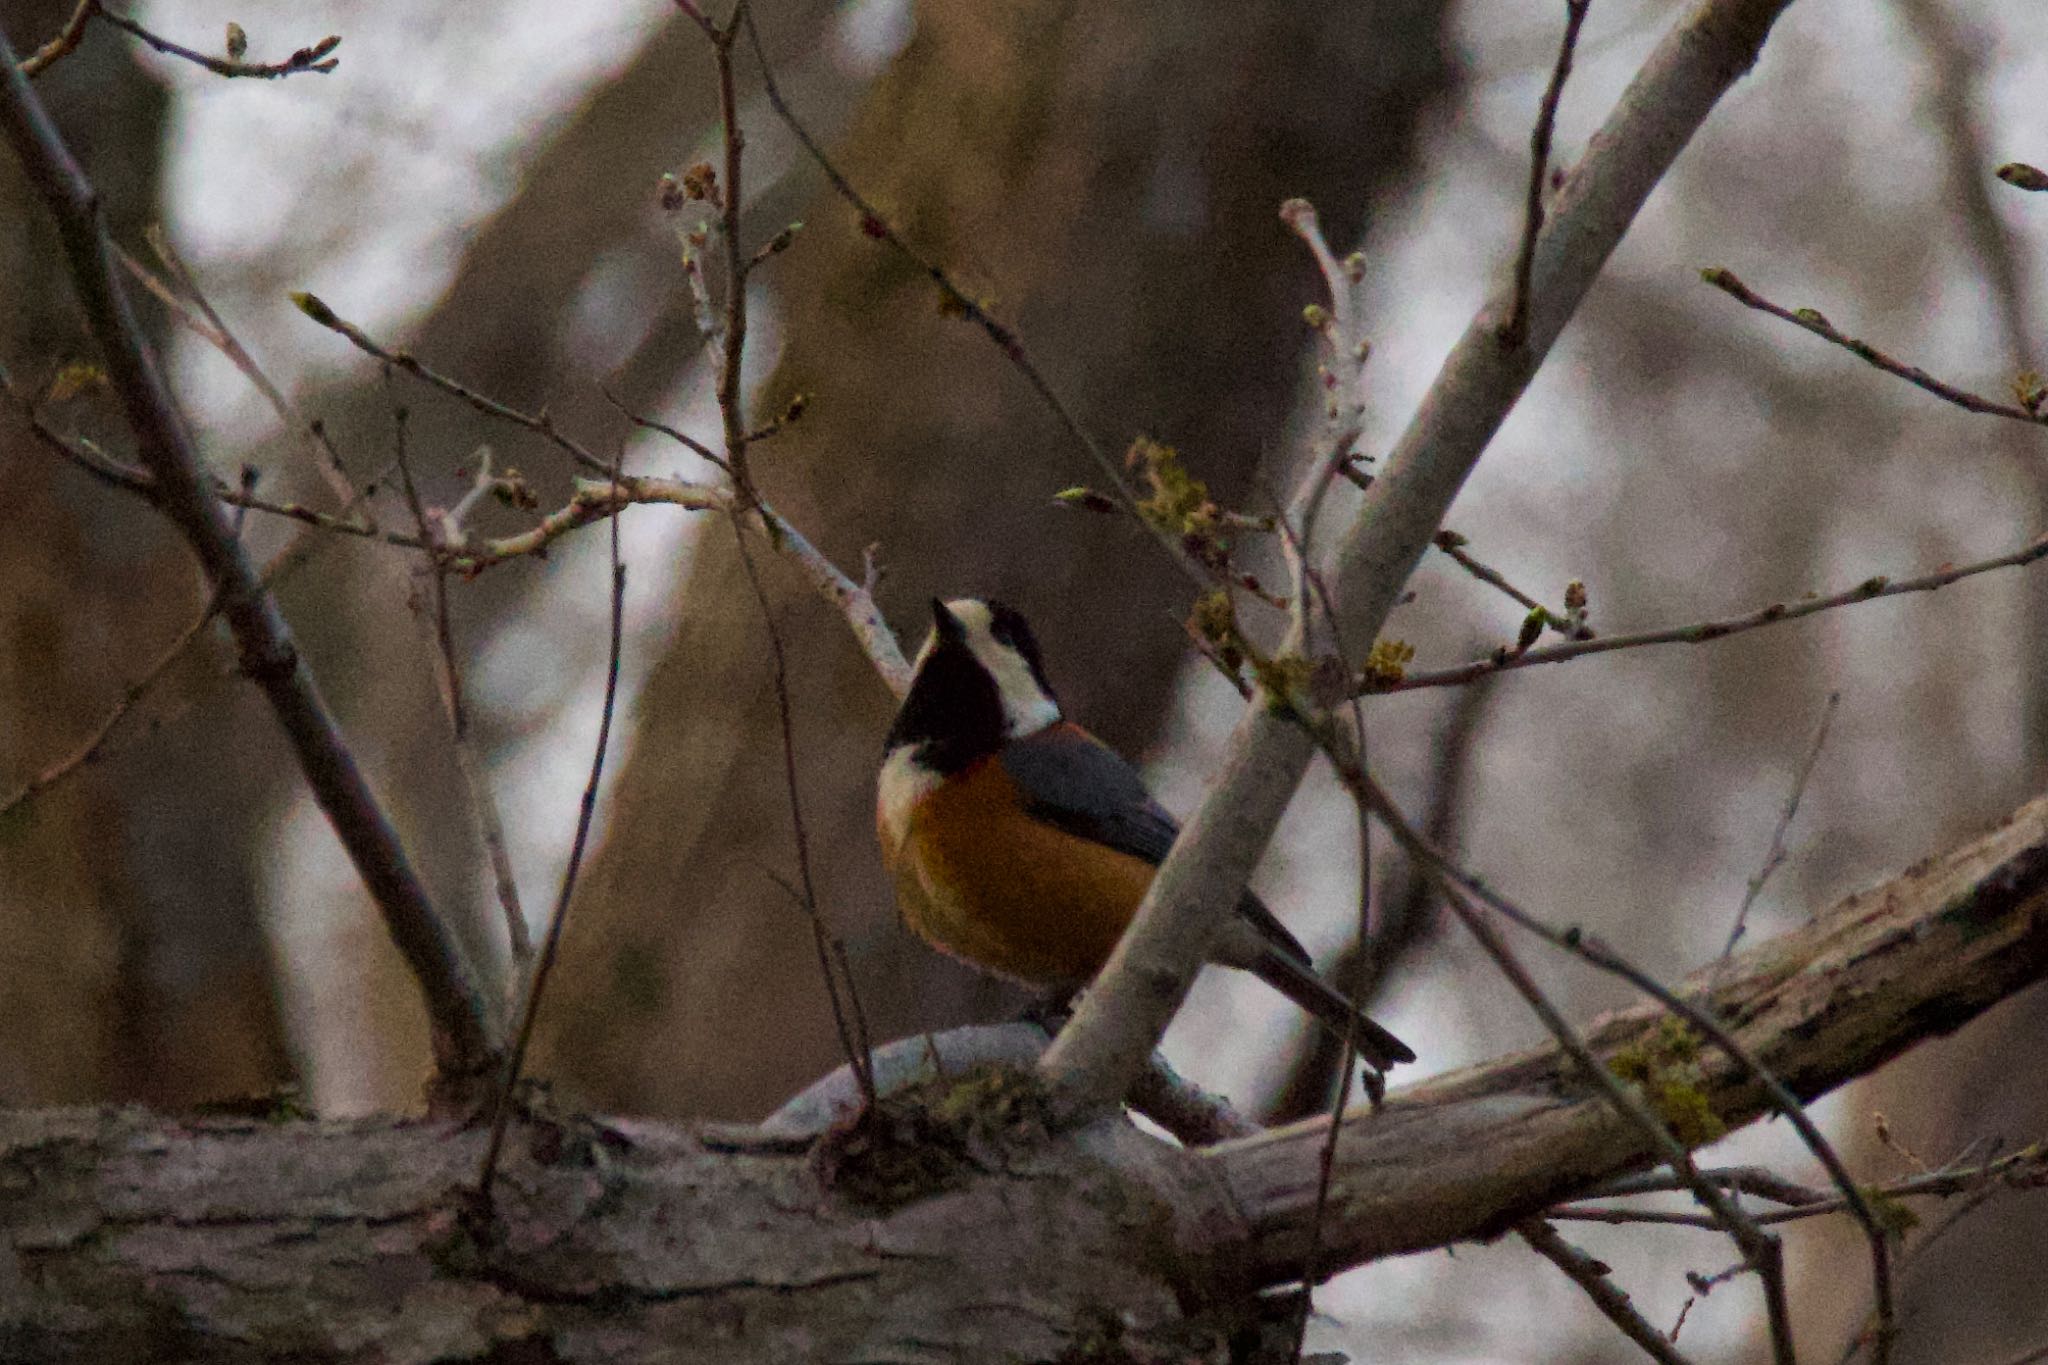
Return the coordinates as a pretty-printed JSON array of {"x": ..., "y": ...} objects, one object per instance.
[
  {"x": 1760, "y": 1181},
  {"x": 1810, "y": 320},
  {"x": 476, "y": 781},
  {"x": 1516, "y": 328},
  {"x": 732, "y": 409},
  {"x": 189, "y": 304},
  {"x": 314, "y": 58},
  {"x": 1591, "y": 1276},
  {"x": 1761, "y": 1251},
  {"x": 540, "y": 424},
  {"x": 595, "y": 500},
  {"x": 1774, "y": 856},
  {"x": 90, "y": 749},
  {"x": 1592, "y": 950},
  {"x": 1119, "y": 1021},
  {"x": 1700, "y": 632},
  {"x": 79, "y": 452},
  {"x": 64, "y": 44},
  {"x": 1956, "y": 56},
  {"x": 877, "y": 225},
  {"x": 464, "y": 1034},
  {"x": 832, "y": 963},
  {"x": 681, "y": 438},
  {"x": 1568, "y": 623},
  {"x": 2023, "y": 1170},
  {"x": 1406, "y": 920},
  {"x": 503, "y": 1099}
]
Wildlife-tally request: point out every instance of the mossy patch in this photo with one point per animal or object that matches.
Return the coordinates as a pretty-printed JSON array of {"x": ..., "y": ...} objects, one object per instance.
[
  {"x": 933, "y": 1137},
  {"x": 1665, "y": 1067}
]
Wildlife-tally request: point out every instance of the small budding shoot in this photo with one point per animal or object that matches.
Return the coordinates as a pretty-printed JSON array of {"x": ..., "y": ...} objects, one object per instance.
[
  {"x": 1179, "y": 503},
  {"x": 2021, "y": 176},
  {"x": 312, "y": 307},
  {"x": 700, "y": 183},
  {"x": 237, "y": 42},
  {"x": 73, "y": 379},
  {"x": 1214, "y": 620},
  {"x": 956, "y": 307},
  {"x": 1388, "y": 662},
  {"x": 2032, "y": 394},
  {"x": 1086, "y": 499}
]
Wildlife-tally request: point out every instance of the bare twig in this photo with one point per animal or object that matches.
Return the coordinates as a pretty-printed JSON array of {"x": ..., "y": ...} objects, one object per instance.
[
  {"x": 1810, "y": 320},
  {"x": 1309, "y": 597},
  {"x": 64, "y": 44},
  {"x": 94, "y": 744},
  {"x": 877, "y": 225},
  {"x": 314, "y": 58},
  {"x": 1700, "y": 632},
  {"x": 1405, "y": 920},
  {"x": 1568, "y": 623},
  {"x": 1591, "y": 1276},
  {"x": 733, "y": 334},
  {"x": 849, "y": 1021},
  {"x": 541, "y": 424},
  {"x": 1516, "y": 328},
  {"x": 681, "y": 438},
  {"x": 1761, "y": 1251},
  {"x": 464, "y": 1034},
  {"x": 1591, "y": 949},
  {"x": 503, "y": 1099},
  {"x": 476, "y": 781},
  {"x": 1774, "y": 856},
  {"x": 1955, "y": 57},
  {"x": 189, "y": 304},
  {"x": 2023, "y": 1170}
]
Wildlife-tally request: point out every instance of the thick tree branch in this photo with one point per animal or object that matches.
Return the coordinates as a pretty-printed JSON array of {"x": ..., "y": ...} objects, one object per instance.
[
  {"x": 142, "y": 1239},
  {"x": 1121, "y": 1018},
  {"x": 464, "y": 1032},
  {"x": 1467, "y": 1154}
]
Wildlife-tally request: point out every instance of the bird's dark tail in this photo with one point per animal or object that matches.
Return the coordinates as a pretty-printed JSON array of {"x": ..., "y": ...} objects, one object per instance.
[{"x": 1298, "y": 982}]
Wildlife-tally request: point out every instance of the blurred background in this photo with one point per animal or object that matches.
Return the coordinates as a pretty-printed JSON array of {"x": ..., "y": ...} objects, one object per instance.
[{"x": 177, "y": 925}]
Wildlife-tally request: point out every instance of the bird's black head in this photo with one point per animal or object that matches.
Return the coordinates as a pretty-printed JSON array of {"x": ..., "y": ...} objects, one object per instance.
[{"x": 980, "y": 681}]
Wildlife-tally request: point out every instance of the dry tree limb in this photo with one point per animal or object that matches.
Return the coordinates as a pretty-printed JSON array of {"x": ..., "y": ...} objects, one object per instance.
[
  {"x": 465, "y": 1041},
  {"x": 628, "y": 1237},
  {"x": 1591, "y": 1275}
]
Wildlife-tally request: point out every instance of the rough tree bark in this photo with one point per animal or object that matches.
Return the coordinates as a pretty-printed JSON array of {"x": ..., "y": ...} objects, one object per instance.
[{"x": 139, "y": 1238}]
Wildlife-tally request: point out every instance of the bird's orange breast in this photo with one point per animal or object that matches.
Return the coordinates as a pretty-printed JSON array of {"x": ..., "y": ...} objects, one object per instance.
[{"x": 982, "y": 880}]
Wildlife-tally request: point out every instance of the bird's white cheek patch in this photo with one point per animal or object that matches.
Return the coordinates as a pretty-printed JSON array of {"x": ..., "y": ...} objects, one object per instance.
[{"x": 904, "y": 783}]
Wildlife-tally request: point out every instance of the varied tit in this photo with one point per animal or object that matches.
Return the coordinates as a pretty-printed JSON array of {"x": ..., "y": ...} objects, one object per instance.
[{"x": 1022, "y": 844}]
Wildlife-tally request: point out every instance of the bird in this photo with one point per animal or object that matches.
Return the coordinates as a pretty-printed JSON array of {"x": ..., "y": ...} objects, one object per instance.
[{"x": 1021, "y": 844}]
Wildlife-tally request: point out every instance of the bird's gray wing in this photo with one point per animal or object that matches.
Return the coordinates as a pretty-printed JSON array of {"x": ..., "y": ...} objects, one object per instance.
[{"x": 1074, "y": 782}]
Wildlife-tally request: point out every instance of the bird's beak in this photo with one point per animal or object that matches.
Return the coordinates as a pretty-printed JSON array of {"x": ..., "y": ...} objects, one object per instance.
[{"x": 945, "y": 622}]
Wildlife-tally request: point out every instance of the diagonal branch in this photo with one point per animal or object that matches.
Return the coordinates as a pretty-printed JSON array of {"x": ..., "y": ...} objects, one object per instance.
[
  {"x": 1121, "y": 1018},
  {"x": 1470, "y": 1154},
  {"x": 464, "y": 1036}
]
